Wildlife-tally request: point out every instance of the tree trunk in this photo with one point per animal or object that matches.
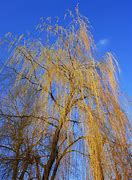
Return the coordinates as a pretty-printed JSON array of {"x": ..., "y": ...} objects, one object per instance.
[
  {"x": 51, "y": 160},
  {"x": 23, "y": 172},
  {"x": 15, "y": 169},
  {"x": 55, "y": 169},
  {"x": 37, "y": 171}
]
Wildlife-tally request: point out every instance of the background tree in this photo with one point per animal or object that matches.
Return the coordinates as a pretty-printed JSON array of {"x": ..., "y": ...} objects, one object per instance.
[{"x": 60, "y": 110}]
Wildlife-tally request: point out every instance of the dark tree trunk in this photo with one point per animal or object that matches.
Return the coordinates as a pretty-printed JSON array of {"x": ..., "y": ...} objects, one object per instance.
[
  {"x": 23, "y": 172},
  {"x": 15, "y": 168},
  {"x": 53, "y": 154}
]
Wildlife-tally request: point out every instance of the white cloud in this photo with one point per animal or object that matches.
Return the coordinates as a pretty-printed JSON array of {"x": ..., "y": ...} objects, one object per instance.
[{"x": 103, "y": 42}]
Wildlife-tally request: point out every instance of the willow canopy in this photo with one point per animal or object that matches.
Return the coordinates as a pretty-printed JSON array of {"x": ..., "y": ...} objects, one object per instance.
[{"x": 60, "y": 108}]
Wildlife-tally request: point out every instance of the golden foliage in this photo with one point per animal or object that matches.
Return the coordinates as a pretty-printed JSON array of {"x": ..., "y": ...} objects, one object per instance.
[{"x": 64, "y": 76}]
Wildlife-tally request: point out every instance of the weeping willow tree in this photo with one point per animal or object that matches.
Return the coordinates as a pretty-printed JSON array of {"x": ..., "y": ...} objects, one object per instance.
[{"x": 60, "y": 110}]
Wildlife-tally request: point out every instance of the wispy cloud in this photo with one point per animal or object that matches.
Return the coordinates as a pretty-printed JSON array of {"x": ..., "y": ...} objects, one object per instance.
[{"x": 103, "y": 42}]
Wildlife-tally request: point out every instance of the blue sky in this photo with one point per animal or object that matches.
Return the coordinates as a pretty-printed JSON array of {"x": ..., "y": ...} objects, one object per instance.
[{"x": 110, "y": 21}]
